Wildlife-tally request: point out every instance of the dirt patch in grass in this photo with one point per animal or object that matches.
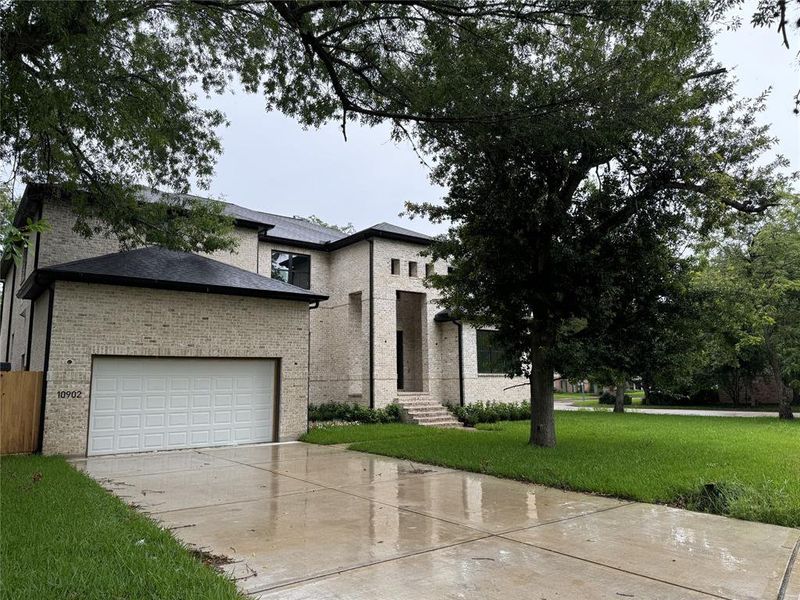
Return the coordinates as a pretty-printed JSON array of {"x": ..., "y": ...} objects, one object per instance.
[{"x": 216, "y": 561}]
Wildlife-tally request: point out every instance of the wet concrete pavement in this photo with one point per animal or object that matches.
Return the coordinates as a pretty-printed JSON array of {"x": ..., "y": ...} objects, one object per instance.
[{"x": 305, "y": 521}]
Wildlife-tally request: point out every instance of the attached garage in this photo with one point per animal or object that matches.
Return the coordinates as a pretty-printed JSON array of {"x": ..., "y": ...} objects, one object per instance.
[
  {"x": 152, "y": 349},
  {"x": 145, "y": 404}
]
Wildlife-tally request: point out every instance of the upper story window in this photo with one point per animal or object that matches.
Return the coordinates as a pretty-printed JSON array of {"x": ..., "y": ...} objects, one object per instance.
[
  {"x": 292, "y": 268},
  {"x": 395, "y": 266},
  {"x": 412, "y": 269},
  {"x": 492, "y": 356},
  {"x": 429, "y": 269}
]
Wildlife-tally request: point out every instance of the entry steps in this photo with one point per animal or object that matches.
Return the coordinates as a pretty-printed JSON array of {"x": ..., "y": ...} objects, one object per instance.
[{"x": 418, "y": 408}]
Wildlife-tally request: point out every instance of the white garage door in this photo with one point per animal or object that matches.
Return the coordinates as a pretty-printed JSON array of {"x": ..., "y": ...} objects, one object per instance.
[{"x": 143, "y": 404}]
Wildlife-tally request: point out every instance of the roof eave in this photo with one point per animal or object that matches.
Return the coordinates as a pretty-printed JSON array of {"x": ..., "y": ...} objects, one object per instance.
[
  {"x": 41, "y": 279},
  {"x": 378, "y": 233}
]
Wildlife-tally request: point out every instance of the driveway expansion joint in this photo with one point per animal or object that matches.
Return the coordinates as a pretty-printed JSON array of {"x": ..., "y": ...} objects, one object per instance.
[
  {"x": 791, "y": 567},
  {"x": 626, "y": 571}
]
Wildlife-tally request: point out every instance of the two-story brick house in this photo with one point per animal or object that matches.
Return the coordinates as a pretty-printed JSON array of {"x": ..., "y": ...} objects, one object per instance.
[{"x": 154, "y": 349}]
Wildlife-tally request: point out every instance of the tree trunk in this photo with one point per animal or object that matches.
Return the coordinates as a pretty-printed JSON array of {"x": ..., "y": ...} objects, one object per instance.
[
  {"x": 647, "y": 386},
  {"x": 784, "y": 400},
  {"x": 543, "y": 426},
  {"x": 619, "y": 401}
]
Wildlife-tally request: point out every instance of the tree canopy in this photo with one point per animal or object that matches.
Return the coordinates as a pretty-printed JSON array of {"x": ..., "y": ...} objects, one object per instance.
[
  {"x": 546, "y": 212},
  {"x": 100, "y": 96}
]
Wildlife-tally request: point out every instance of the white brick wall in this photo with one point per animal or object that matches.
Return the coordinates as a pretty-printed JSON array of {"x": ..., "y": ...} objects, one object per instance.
[
  {"x": 339, "y": 363},
  {"x": 90, "y": 320}
]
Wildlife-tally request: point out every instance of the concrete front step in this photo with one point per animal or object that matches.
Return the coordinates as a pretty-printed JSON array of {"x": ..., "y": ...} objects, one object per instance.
[{"x": 421, "y": 410}]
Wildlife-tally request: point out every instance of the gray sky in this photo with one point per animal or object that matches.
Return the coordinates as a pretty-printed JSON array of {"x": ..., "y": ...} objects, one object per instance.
[{"x": 270, "y": 163}]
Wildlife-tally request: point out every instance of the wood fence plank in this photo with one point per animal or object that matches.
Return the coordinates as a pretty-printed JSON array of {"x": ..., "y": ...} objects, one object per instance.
[{"x": 20, "y": 401}]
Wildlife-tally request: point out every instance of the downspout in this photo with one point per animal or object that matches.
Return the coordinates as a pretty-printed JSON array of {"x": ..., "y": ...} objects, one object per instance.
[
  {"x": 2, "y": 310},
  {"x": 460, "y": 361},
  {"x": 43, "y": 403},
  {"x": 10, "y": 309},
  {"x": 308, "y": 361},
  {"x": 30, "y": 315},
  {"x": 30, "y": 337},
  {"x": 372, "y": 323}
]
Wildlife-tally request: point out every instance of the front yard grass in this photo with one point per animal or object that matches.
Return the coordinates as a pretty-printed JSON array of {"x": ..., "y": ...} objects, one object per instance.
[
  {"x": 63, "y": 536},
  {"x": 636, "y": 403},
  {"x": 741, "y": 467}
]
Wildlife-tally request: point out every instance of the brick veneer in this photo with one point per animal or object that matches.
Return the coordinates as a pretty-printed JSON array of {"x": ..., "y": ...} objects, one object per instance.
[{"x": 91, "y": 320}]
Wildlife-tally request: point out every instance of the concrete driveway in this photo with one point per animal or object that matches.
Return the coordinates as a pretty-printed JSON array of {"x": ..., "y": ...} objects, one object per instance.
[{"x": 304, "y": 521}]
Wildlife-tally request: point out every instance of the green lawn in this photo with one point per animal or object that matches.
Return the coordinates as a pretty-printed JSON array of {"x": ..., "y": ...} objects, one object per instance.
[
  {"x": 63, "y": 536},
  {"x": 636, "y": 395},
  {"x": 754, "y": 464},
  {"x": 636, "y": 403}
]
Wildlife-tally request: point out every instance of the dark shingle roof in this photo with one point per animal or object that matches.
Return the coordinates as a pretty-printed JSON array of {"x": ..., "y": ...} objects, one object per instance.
[
  {"x": 166, "y": 269},
  {"x": 394, "y": 229},
  {"x": 290, "y": 228}
]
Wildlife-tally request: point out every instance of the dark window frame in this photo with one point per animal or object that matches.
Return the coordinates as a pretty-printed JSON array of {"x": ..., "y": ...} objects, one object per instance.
[
  {"x": 413, "y": 268},
  {"x": 395, "y": 266},
  {"x": 492, "y": 357},
  {"x": 291, "y": 272}
]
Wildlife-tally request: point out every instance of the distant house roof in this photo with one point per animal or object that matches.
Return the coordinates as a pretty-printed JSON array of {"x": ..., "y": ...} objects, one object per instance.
[{"x": 155, "y": 267}]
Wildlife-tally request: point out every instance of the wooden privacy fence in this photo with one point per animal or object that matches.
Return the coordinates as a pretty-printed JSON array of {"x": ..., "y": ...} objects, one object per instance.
[{"x": 20, "y": 400}]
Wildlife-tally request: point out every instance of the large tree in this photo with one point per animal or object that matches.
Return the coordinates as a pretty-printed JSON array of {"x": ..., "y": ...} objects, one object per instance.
[
  {"x": 100, "y": 95},
  {"x": 756, "y": 278},
  {"x": 658, "y": 139}
]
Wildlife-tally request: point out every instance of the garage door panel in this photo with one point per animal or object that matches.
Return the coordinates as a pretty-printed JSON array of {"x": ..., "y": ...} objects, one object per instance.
[
  {"x": 201, "y": 418},
  {"x": 201, "y": 402},
  {"x": 179, "y": 384},
  {"x": 145, "y": 404},
  {"x": 179, "y": 402},
  {"x": 131, "y": 384},
  {"x": 222, "y": 417},
  {"x": 156, "y": 384},
  {"x": 154, "y": 420},
  {"x": 223, "y": 384},
  {"x": 130, "y": 422},
  {"x": 224, "y": 400},
  {"x": 104, "y": 423},
  {"x": 105, "y": 384},
  {"x": 222, "y": 437}
]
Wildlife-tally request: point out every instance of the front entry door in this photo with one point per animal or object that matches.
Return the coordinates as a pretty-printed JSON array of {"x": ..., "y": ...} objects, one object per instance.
[{"x": 400, "y": 361}]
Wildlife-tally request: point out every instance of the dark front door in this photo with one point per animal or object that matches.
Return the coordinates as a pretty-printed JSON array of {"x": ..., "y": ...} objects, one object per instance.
[{"x": 400, "y": 360}]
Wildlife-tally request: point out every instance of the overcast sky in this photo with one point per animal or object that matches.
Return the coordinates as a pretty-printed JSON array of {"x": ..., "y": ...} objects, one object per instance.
[{"x": 270, "y": 163}]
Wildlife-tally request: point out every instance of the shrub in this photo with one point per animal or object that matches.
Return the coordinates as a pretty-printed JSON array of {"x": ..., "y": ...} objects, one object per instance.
[
  {"x": 608, "y": 398},
  {"x": 491, "y": 412},
  {"x": 354, "y": 413},
  {"x": 702, "y": 397},
  {"x": 661, "y": 398}
]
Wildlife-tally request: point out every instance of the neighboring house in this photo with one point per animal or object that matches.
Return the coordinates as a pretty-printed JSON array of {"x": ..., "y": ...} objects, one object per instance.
[{"x": 153, "y": 349}]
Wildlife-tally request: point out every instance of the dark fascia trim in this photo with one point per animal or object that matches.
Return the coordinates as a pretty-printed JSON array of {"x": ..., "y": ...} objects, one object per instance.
[
  {"x": 266, "y": 237},
  {"x": 367, "y": 234},
  {"x": 40, "y": 280},
  {"x": 377, "y": 233}
]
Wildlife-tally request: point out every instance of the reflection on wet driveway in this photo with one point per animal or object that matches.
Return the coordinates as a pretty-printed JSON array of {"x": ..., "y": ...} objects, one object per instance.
[{"x": 304, "y": 521}]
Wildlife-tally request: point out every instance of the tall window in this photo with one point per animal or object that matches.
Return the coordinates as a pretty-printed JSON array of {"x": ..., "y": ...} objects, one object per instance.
[
  {"x": 492, "y": 357},
  {"x": 292, "y": 268}
]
